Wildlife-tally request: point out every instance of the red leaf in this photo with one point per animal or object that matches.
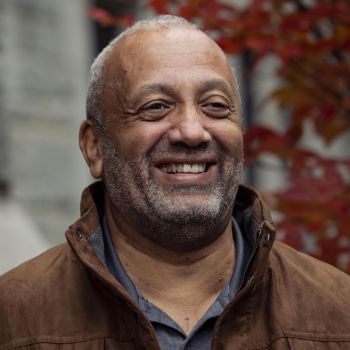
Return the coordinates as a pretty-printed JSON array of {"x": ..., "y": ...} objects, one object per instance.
[
  {"x": 229, "y": 45},
  {"x": 159, "y": 6},
  {"x": 100, "y": 15},
  {"x": 289, "y": 51},
  {"x": 260, "y": 45},
  {"x": 104, "y": 18}
]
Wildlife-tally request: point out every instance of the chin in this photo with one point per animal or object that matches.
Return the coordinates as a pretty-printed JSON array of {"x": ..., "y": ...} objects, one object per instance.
[{"x": 186, "y": 237}]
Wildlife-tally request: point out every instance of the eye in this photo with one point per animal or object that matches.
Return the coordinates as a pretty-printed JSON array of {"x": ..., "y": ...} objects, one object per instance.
[
  {"x": 155, "y": 110},
  {"x": 216, "y": 107}
]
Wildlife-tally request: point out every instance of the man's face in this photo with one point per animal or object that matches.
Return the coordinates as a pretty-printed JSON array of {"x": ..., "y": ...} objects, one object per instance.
[{"x": 173, "y": 154}]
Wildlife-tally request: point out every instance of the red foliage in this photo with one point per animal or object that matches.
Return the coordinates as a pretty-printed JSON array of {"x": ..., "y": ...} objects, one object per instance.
[
  {"x": 105, "y": 19},
  {"x": 313, "y": 46},
  {"x": 312, "y": 42}
]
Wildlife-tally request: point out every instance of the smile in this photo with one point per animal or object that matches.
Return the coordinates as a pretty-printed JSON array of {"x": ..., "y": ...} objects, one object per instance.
[
  {"x": 184, "y": 168},
  {"x": 185, "y": 171}
]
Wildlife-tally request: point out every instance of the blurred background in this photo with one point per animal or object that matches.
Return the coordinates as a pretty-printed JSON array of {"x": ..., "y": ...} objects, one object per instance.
[{"x": 293, "y": 65}]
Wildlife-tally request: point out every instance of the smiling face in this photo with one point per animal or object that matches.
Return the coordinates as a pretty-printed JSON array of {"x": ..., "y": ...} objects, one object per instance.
[{"x": 173, "y": 154}]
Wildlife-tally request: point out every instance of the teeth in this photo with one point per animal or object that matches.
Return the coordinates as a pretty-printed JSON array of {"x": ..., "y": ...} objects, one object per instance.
[{"x": 184, "y": 168}]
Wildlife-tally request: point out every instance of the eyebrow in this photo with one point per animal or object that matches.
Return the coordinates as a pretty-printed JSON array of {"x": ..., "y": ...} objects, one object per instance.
[
  {"x": 161, "y": 88},
  {"x": 216, "y": 84}
]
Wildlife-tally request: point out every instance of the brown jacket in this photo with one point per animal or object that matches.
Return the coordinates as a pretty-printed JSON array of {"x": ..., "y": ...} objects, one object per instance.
[{"x": 66, "y": 299}]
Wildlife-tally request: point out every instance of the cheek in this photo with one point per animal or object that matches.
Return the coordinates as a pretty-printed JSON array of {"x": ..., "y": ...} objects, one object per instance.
[
  {"x": 231, "y": 139},
  {"x": 136, "y": 141}
]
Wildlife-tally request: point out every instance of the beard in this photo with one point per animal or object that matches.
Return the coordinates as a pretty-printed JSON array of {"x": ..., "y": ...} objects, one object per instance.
[{"x": 180, "y": 217}]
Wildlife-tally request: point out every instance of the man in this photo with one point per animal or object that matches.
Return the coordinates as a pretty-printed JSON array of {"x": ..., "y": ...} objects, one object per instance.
[{"x": 169, "y": 251}]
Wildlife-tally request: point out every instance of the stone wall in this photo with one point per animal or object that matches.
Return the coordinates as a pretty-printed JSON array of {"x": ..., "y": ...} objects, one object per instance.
[{"x": 44, "y": 60}]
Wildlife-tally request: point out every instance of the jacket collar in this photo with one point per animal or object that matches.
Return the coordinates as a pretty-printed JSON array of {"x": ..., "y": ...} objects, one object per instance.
[{"x": 249, "y": 210}]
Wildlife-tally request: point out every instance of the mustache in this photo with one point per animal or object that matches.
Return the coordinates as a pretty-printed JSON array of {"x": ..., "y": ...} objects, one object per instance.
[{"x": 182, "y": 150}]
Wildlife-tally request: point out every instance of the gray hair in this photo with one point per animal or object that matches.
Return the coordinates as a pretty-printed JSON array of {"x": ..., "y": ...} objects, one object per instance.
[{"x": 96, "y": 83}]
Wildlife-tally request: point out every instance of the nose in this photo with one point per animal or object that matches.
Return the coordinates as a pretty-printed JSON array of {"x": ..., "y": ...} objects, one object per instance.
[{"x": 189, "y": 129}]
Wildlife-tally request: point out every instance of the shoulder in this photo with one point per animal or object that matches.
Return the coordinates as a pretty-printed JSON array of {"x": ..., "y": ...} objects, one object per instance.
[
  {"x": 27, "y": 284},
  {"x": 296, "y": 267},
  {"x": 311, "y": 296},
  {"x": 32, "y": 273},
  {"x": 31, "y": 291}
]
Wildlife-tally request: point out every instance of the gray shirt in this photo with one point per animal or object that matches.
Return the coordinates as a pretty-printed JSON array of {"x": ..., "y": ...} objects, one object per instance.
[{"x": 169, "y": 333}]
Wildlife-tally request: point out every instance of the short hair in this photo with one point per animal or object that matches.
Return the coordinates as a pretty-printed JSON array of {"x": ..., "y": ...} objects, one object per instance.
[{"x": 96, "y": 83}]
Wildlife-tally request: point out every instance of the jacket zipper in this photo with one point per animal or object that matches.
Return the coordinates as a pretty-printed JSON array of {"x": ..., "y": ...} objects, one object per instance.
[
  {"x": 252, "y": 256},
  {"x": 244, "y": 276}
]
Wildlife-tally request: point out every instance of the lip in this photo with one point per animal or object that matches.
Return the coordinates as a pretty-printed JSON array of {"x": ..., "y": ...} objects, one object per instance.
[{"x": 185, "y": 178}]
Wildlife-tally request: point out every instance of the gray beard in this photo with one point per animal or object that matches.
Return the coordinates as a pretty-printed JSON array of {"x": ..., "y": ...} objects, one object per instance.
[{"x": 168, "y": 215}]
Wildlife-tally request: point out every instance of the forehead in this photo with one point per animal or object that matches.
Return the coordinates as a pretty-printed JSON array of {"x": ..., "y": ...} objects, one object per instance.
[
  {"x": 164, "y": 42},
  {"x": 177, "y": 53}
]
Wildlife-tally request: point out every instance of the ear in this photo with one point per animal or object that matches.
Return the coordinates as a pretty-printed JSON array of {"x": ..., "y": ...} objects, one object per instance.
[{"x": 90, "y": 146}]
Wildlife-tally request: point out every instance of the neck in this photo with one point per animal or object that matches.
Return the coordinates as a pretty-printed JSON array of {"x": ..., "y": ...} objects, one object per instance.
[{"x": 184, "y": 285}]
